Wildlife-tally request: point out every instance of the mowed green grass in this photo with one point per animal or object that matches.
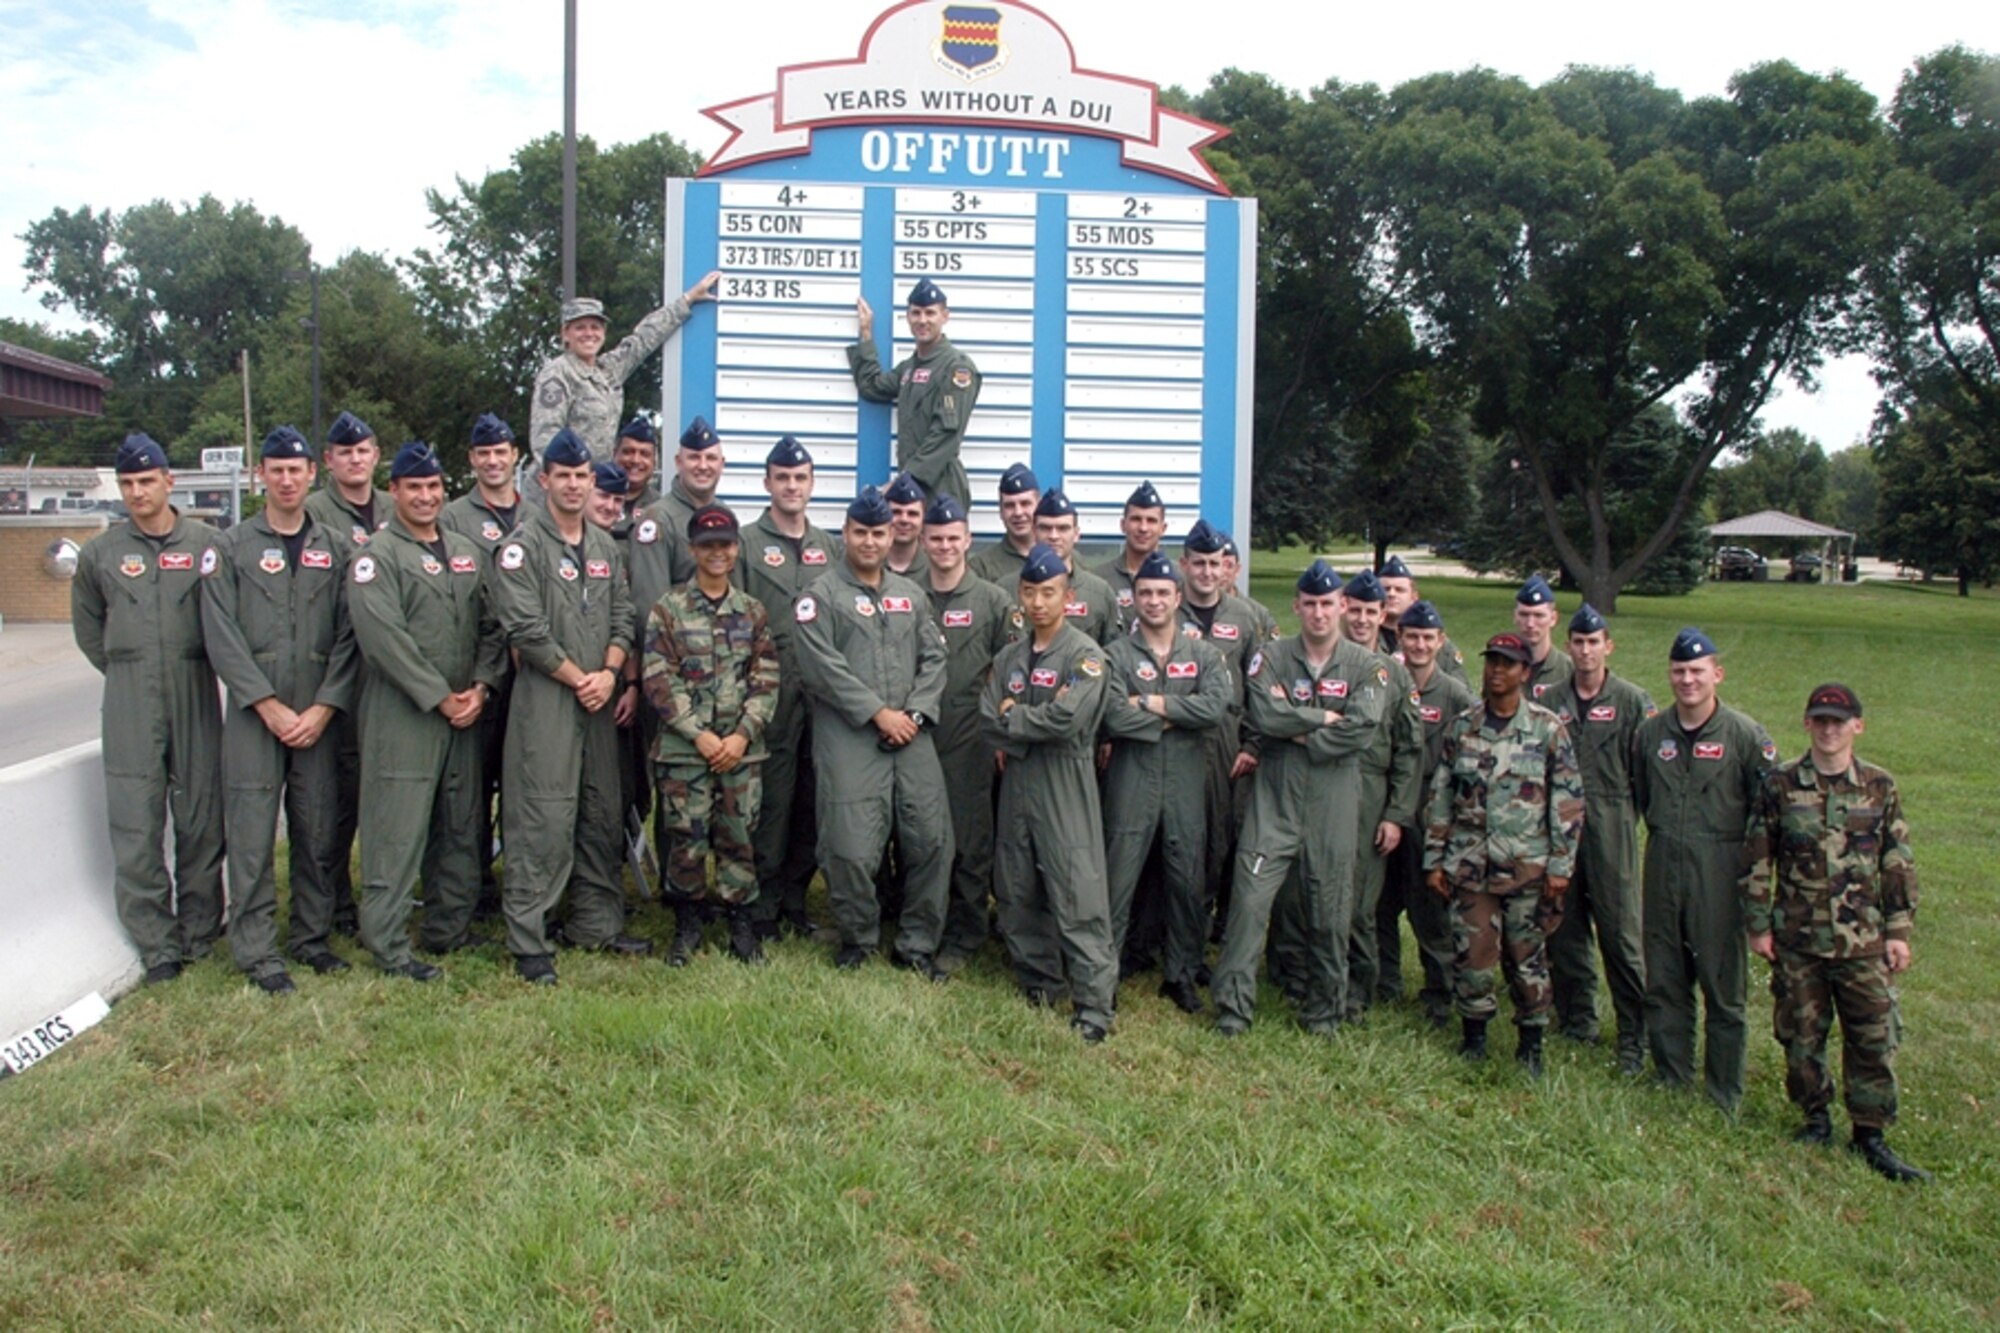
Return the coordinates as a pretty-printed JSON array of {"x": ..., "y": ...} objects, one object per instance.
[{"x": 801, "y": 1148}]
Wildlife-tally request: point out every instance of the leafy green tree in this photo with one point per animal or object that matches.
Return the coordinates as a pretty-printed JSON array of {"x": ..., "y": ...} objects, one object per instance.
[
  {"x": 1940, "y": 498},
  {"x": 1783, "y": 470},
  {"x": 1584, "y": 253},
  {"x": 1424, "y": 494},
  {"x": 1852, "y": 489}
]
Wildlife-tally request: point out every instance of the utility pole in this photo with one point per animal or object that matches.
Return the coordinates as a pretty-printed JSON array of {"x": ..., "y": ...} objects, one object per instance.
[
  {"x": 569, "y": 152},
  {"x": 310, "y": 275}
]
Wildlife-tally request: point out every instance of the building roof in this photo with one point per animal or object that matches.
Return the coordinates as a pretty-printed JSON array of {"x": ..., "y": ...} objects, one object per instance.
[
  {"x": 36, "y": 385},
  {"x": 1776, "y": 523}
]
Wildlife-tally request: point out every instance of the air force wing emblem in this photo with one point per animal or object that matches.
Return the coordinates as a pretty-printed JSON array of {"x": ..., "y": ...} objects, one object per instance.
[{"x": 968, "y": 43}]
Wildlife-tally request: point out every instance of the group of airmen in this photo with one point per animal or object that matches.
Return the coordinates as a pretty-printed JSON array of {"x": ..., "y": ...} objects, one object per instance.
[{"x": 1107, "y": 770}]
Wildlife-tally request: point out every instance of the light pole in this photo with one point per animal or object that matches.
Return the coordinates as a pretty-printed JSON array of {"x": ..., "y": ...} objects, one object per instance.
[
  {"x": 569, "y": 152},
  {"x": 310, "y": 275}
]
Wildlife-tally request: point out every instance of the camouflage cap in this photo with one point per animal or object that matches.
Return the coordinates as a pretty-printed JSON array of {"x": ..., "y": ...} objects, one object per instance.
[{"x": 582, "y": 307}]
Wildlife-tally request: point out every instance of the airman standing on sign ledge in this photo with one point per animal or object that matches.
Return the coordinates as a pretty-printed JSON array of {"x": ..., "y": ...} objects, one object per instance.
[
  {"x": 584, "y": 388},
  {"x": 934, "y": 391},
  {"x": 137, "y": 618}
]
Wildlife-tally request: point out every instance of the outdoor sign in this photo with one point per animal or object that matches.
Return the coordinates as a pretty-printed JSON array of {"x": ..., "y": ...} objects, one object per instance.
[{"x": 1097, "y": 270}]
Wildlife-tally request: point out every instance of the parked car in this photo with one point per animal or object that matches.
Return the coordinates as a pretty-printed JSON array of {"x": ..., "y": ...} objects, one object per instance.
[
  {"x": 1806, "y": 568},
  {"x": 1740, "y": 564}
]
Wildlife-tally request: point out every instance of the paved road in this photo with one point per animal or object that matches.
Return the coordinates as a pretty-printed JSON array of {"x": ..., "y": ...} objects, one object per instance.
[{"x": 49, "y": 695}]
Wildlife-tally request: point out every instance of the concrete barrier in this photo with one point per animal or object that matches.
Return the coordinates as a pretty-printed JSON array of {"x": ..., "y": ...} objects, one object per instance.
[{"x": 59, "y": 933}]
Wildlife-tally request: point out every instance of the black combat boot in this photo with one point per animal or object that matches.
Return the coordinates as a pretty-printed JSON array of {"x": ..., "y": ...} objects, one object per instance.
[
  {"x": 1473, "y": 1047},
  {"x": 1529, "y": 1052},
  {"x": 743, "y": 942},
  {"x": 1817, "y": 1130},
  {"x": 1872, "y": 1149},
  {"x": 687, "y": 935}
]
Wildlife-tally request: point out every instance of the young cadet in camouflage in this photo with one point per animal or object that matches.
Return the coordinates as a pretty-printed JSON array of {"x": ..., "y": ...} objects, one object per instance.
[
  {"x": 430, "y": 656},
  {"x": 934, "y": 391},
  {"x": 1440, "y": 698},
  {"x": 1317, "y": 699},
  {"x": 135, "y": 610},
  {"x": 1829, "y": 900},
  {"x": 583, "y": 389},
  {"x": 274, "y": 617},
  {"x": 1000, "y": 564},
  {"x": 1602, "y": 713},
  {"x": 1041, "y": 711},
  {"x": 712, "y": 675},
  {"x": 1399, "y": 594},
  {"x": 1165, "y": 692},
  {"x": 874, "y": 666},
  {"x": 1091, "y": 607},
  {"x": 1501, "y": 836},
  {"x": 563, "y": 600},
  {"x": 977, "y": 621},
  {"x": 1143, "y": 523},
  {"x": 783, "y": 552},
  {"x": 1535, "y": 621},
  {"x": 1696, "y": 768}
]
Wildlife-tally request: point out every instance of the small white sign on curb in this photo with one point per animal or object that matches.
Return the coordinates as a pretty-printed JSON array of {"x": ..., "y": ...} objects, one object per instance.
[{"x": 44, "y": 1038}]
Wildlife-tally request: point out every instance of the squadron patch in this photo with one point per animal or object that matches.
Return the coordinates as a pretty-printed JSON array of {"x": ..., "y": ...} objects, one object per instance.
[
  {"x": 209, "y": 561},
  {"x": 1256, "y": 662},
  {"x": 360, "y": 535},
  {"x": 864, "y": 604},
  {"x": 1016, "y": 682},
  {"x": 567, "y": 569},
  {"x": 1431, "y": 714},
  {"x": 648, "y": 532},
  {"x": 806, "y": 611},
  {"x": 1670, "y": 749},
  {"x": 1124, "y": 597},
  {"x": 513, "y": 555},
  {"x": 490, "y": 531},
  {"x": 364, "y": 569},
  {"x": 1091, "y": 667},
  {"x": 1146, "y": 671},
  {"x": 1382, "y": 676},
  {"x": 132, "y": 566},
  {"x": 272, "y": 561},
  {"x": 961, "y": 378},
  {"x": 1302, "y": 689},
  {"x": 774, "y": 556},
  {"x": 1770, "y": 750},
  {"x": 432, "y": 565},
  {"x": 1541, "y": 688}
]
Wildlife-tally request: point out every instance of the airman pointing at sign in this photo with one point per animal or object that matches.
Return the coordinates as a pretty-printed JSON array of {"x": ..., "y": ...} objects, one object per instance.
[{"x": 933, "y": 391}]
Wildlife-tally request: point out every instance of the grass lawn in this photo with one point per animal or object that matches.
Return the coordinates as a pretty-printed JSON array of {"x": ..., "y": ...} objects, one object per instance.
[{"x": 800, "y": 1148}]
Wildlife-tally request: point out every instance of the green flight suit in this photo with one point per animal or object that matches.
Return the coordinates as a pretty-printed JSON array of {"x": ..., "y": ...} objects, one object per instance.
[
  {"x": 918, "y": 571},
  {"x": 135, "y": 609},
  {"x": 1092, "y": 606},
  {"x": 977, "y": 621},
  {"x": 590, "y": 399},
  {"x": 999, "y": 564},
  {"x": 1696, "y": 792},
  {"x": 1439, "y": 700},
  {"x": 658, "y": 557},
  {"x": 562, "y": 806},
  {"x": 860, "y": 650},
  {"x": 775, "y": 569},
  {"x": 424, "y": 630},
  {"x": 1155, "y": 785},
  {"x": 360, "y": 524},
  {"x": 1605, "y": 894},
  {"x": 934, "y": 395},
  {"x": 472, "y": 517},
  {"x": 279, "y": 629},
  {"x": 1304, "y": 795},
  {"x": 710, "y": 667},
  {"x": 1237, "y": 629},
  {"x": 1551, "y": 673},
  {"x": 1048, "y": 854},
  {"x": 1392, "y": 774},
  {"x": 1117, "y": 578}
]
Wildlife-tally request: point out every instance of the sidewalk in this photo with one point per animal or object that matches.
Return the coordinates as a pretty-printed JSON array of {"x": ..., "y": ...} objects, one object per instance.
[{"x": 49, "y": 695}]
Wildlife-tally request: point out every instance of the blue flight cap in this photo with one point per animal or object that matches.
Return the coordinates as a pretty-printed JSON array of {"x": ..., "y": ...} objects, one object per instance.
[
  {"x": 1421, "y": 615},
  {"x": 1157, "y": 566},
  {"x": 1043, "y": 564},
  {"x": 1054, "y": 504},
  {"x": 1536, "y": 592},
  {"x": 870, "y": 508},
  {"x": 490, "y": 429},
  {"x": 349, "y": 429},
  {"x": 1691, "y": 645},
  {"x": 415, "y": 459},
  {"x": 903, "y": 490},
  {"x": 1587, "y": 620},
  {"x": 140, "y": 453},
  {"x": 1018, "y": 479},
  {"x": 1319, "y": 579},
  {"x": 787, "y": 452},
  {"x": 1204, "y": 538},
  {"x": 611, "y": 479},
  {"x": 565, "y": 449},
  {"x": 926, "y": 292},
  {"x": 1394, "y": 568},
  {"x": 944, "y": 510},
  {"x": 640, "y": 429},
  {"x": 286, "y": 442},
  {"x": 700, "y": 435},
  {"x": 1363, "y": 587},
  {"x": 1145, "y": 498},
  {"x": 1229, "y": 546}
]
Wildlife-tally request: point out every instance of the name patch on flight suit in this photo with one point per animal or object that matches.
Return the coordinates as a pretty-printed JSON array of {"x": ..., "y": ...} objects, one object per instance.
[
  {"x": 1076, "y": 608},
  {"x": 461, "y": 564},
  {"x": 598, "y": 569},
  {"x": 920, "y": 375},
  {"x": 958, "y": 620},
  {"x": 812, "y": 557},
  {"x": 1431, "y": 714},
  {"x": 1183, "y": 670},
  {"x": 896, "y": 604},
  {"x": 316, "y": 559},
  {"x": 1333, "y": 689},
  {"x": 176, "y": 560},
  {"x": 1043, "y": 679},
  {"x": 1708, "y": 749},
  {"x": 1603, "y": 713},
  {"x": 1224, "y": 632}
]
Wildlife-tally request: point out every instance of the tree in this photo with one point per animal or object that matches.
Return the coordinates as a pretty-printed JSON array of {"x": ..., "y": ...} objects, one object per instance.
[
  {"x": 1586, "y": 252},
  {"x": 1940, "y": 500},
  {"x": 1852, "y": 489},
  {"x": 1783, "y": 469},
  {"x": 1342, "y": 385},
  {"x": 172, "y": 292},
  {"x": 491, "y": 287},
  {"x": 1934, "y": 315},
  {"x": 1642, "y": 465},
  {"x": 1426, "y": 493}
]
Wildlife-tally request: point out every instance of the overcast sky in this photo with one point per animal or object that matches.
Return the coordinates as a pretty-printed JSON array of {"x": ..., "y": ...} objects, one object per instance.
[{"x": 337, "y": 114}]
